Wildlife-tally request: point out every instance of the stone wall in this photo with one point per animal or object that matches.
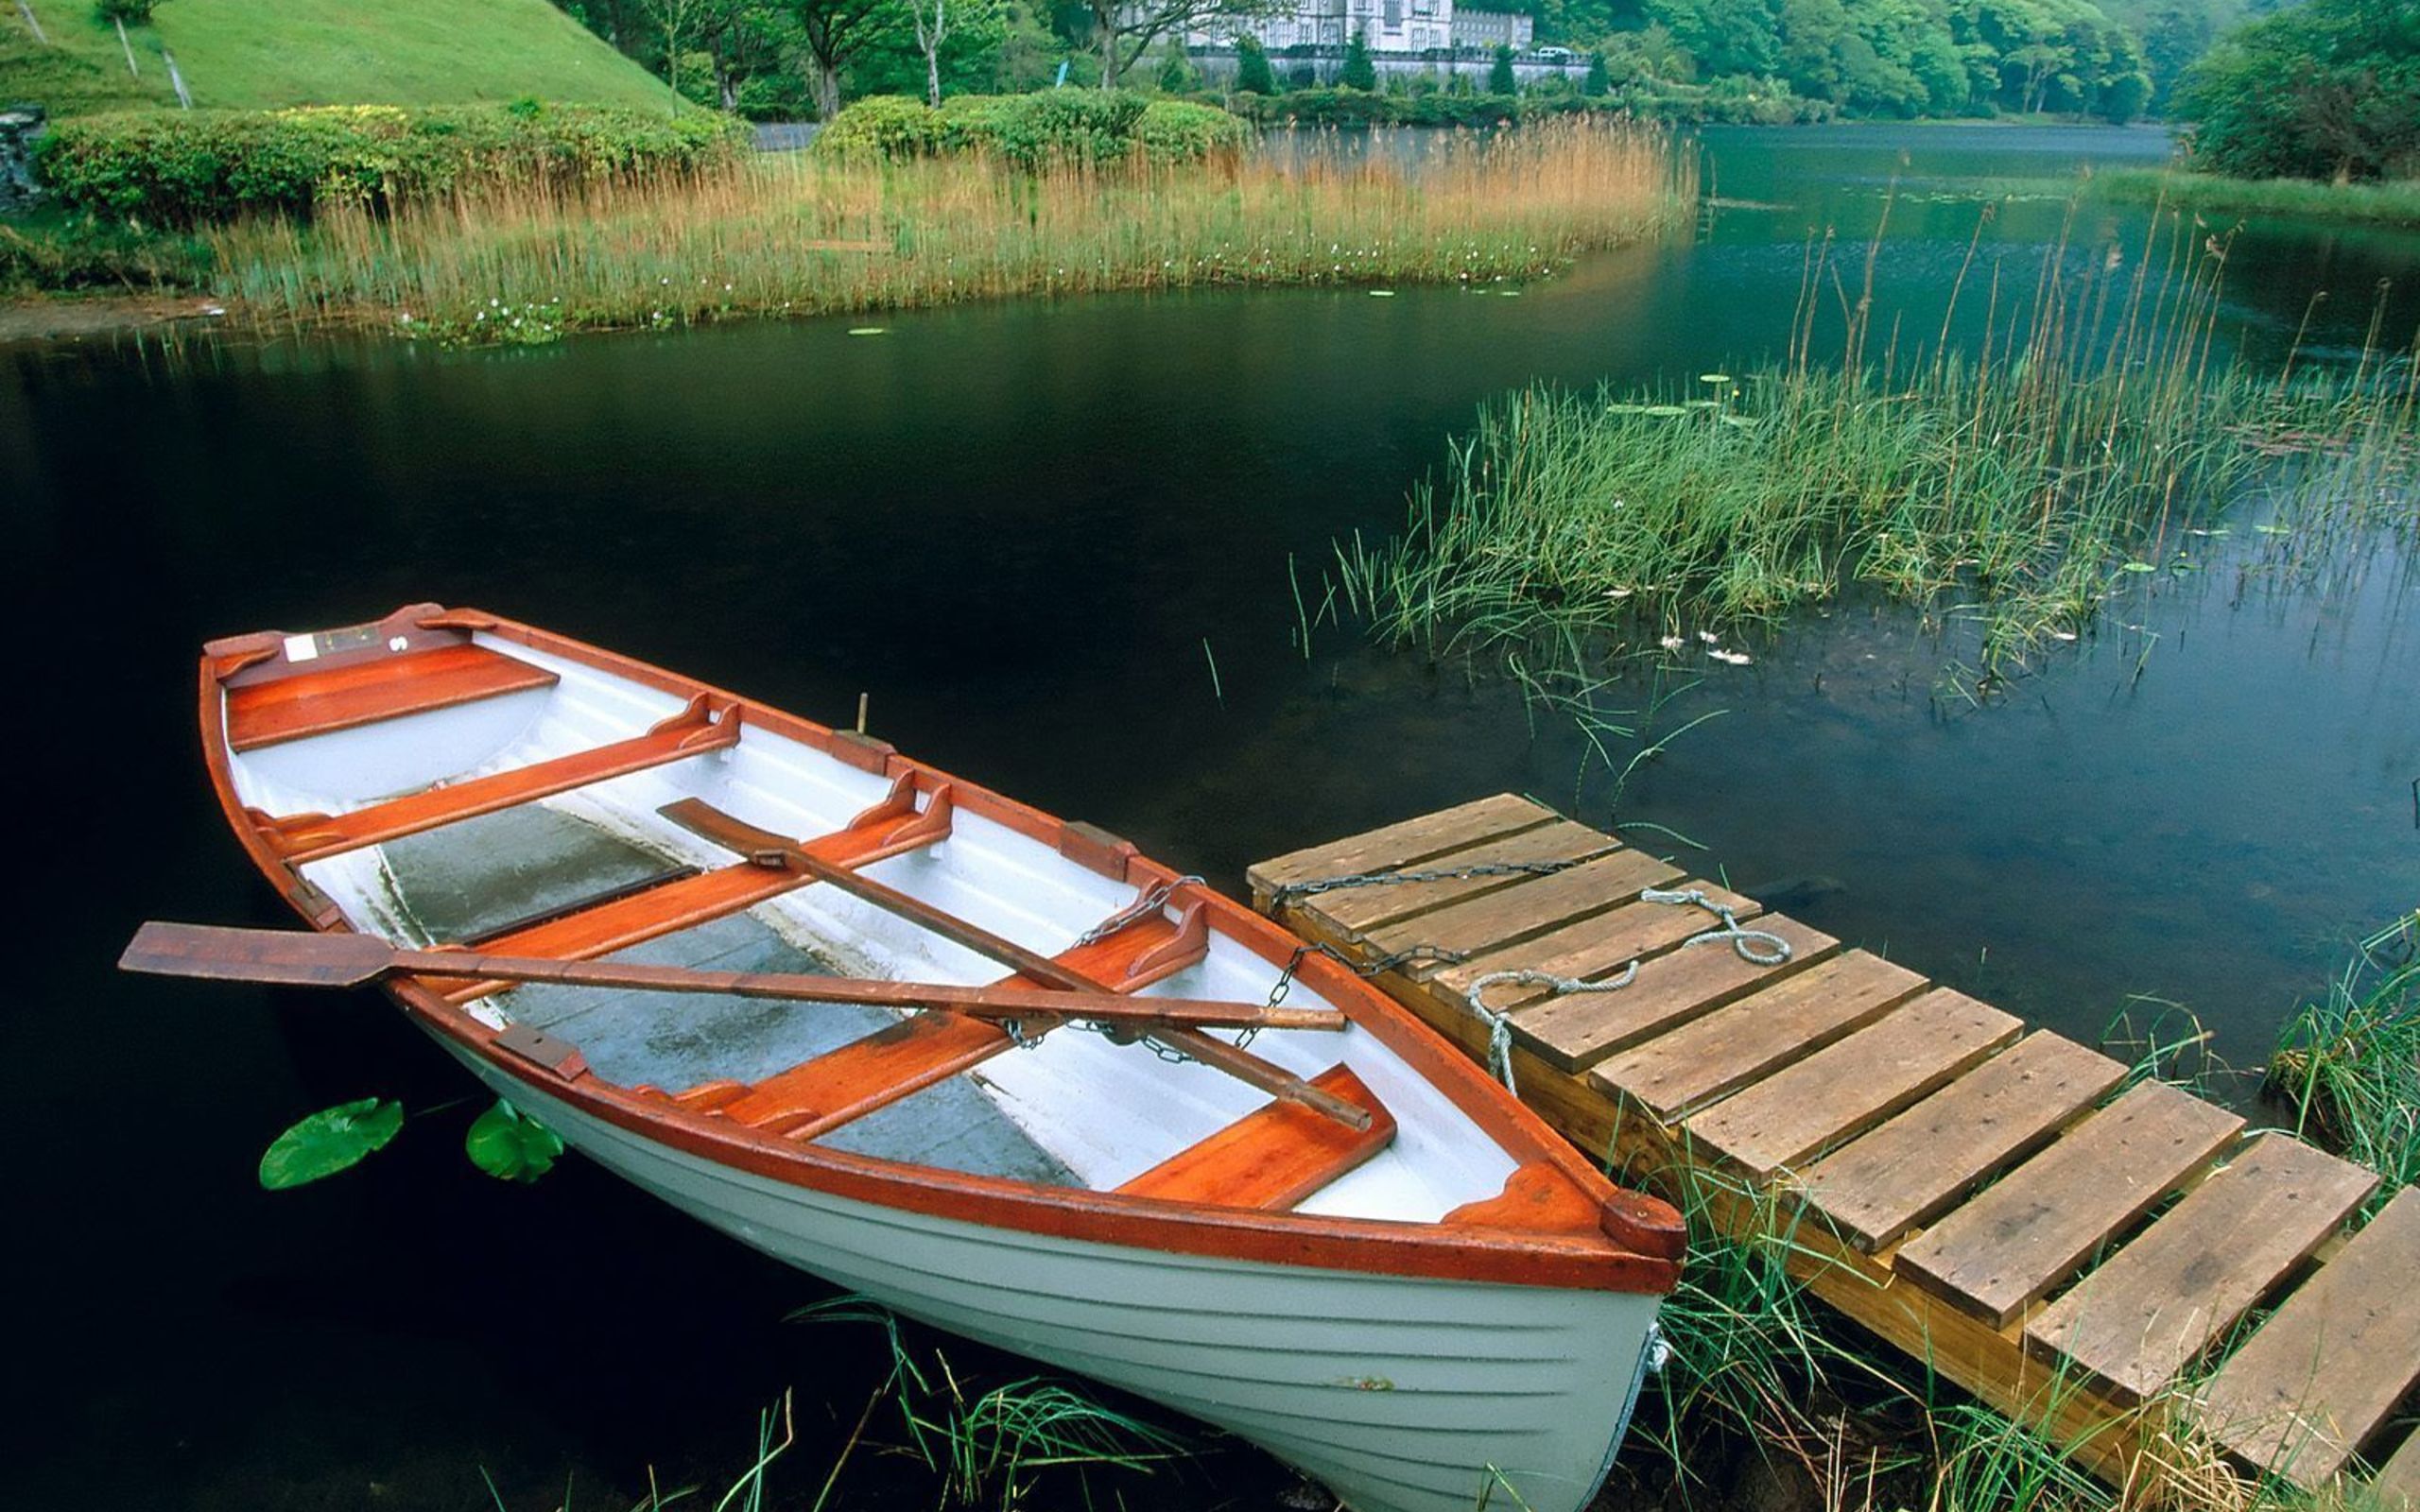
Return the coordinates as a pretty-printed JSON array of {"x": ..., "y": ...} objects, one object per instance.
[{"x": 19, "y": 125}]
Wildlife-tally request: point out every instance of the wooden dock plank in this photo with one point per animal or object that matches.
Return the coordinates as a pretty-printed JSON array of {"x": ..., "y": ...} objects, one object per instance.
[
  {"x": 2323, "y": 1373},
  {"x": 2398, "y": 1482},
  {"x": 1574, "y": 1031},
  {"x": 1596, "y": 945},
  {"x": 2154, "y": 1307},
  {"x": 1730, "y": 1047},
  {"x": 1356, "y": 912},
  {"x": 1410, "y": 843},
  {"x": 1531, "y": 906},
  {"x": 1852, "y": 1085},
  {"x": 1915, "y": 1167},
  {"x": 2038, "y": 1226}
]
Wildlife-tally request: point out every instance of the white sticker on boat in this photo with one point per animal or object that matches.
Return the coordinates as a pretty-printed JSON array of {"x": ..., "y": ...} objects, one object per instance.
[{"x": 301, "y": 649}]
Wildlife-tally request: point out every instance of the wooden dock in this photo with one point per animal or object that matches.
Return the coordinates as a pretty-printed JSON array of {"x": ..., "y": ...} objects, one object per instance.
[{"x": 2106, "y": 1262}]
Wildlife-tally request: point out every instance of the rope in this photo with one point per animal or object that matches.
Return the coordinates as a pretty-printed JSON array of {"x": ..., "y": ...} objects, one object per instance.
[
  {"x": 1499, "y": 1024},
  {"x": 1776, "y": 949},
  {"x": 1142, "y": 907}
]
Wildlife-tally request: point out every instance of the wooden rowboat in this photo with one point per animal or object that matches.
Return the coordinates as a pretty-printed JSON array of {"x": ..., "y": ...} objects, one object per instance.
[{"x": 1346, "y": 1245}]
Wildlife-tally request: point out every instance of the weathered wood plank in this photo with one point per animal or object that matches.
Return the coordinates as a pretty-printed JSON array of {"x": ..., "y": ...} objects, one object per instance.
[
  {"x": 1530, "y": 905},
  {"x": 2398, "y": 1482},
  {"x": 1848, "y": 1087},
  {"x": 1586, "y": 948},
  {"x": 2323, "y": 1374},
  {"x": 1732, "y": 1046},
  {"x": 1408, "y": 843},
  {"x": 2151, "y": 1309},
  {"x": 1357, "y": 912},
  {"x": 1574, "y": 1031},
  {"x": 2037, "y": 1227},
  {"x": 1915, "y": 1167}
]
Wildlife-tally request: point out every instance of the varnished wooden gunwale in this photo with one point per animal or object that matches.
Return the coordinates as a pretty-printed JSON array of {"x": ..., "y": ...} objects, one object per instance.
[{"x": 1636, "y": 1247}]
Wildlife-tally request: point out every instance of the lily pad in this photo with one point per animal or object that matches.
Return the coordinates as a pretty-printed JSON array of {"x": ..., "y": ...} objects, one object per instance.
[
  {"x": 1715, "y": 378},
  {"x": 869, "y": 330},
  {"x": 511, "y": 1148},
  {"x": 332, "y": 1139},
  {"x": 2138, "y": 567},
  {"x": 1382, "y": 293}
]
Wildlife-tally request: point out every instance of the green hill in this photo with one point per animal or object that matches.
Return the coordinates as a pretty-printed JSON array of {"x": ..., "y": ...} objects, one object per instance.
[{"x": 266, "y": 53}]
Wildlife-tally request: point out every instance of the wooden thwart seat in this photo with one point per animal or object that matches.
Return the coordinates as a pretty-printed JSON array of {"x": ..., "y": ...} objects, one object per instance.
[
  {"x": 881, "y": 831},
  {"x": 364, "y": 693},
  {"x": 1273, "y": 1158},
  {"x": 700, "y": 727}
]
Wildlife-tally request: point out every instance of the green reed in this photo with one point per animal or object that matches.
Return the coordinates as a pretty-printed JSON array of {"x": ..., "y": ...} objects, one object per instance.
[
  {"x": 2394, "y": 203},
  {"x": 2028, "y": 473},
  {"x": 2350, "y": 1062},
  {"x": 801, "y": 233}
]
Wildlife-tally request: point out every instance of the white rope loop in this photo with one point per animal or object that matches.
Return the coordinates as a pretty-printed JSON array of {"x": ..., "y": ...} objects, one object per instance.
[
  {"x": 1499, "y": 1023},
  {"x": 1775, "y": 949}
]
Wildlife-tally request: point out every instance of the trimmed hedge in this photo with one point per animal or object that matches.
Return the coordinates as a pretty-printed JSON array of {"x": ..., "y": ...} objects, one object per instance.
[
  {"x": 1032, "y": 130},
  {"x": 181, "y": 168}
]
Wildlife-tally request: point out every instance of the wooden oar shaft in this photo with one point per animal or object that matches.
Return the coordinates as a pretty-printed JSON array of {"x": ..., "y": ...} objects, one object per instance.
[
  {"x": 303, "y": 959},
  {"x": 980, "y": 1002}
]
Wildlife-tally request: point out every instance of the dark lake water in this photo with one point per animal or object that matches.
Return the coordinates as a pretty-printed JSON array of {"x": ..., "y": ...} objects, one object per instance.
[{"x": 1016, "y": 527}]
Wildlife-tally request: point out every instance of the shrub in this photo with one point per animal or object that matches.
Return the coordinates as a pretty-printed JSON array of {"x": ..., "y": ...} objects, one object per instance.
[
  {"x": 883, "y": 125},
  {"x": 1360, "y": 71},
  {"x": 133, "y": 13},
  {"x": 1033, "y": 131},
  {"x": 1253, "y": 76},
  {"x": 1500, "y": 77},
  {"x": 183, "y": 168},
  {"x": 1178, "y": 131}
]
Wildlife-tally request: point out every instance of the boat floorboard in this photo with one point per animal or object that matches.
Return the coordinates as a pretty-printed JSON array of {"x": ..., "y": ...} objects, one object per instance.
[{"x": 468, "y": 878}]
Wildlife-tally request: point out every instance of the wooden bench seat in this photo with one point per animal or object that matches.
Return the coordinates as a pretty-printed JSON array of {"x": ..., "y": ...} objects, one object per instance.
[
  {"x": 364, "y": 693},
  {"x": 1273, "y": 1158},
  {"x": 303, "y": 837},
  {"x": 816, "y": 1096},
  {"x": 640, "y": 917}
]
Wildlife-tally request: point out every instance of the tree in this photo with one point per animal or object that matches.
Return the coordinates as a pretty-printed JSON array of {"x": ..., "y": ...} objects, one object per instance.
[
  {"x": 831, "y": 32},
  {"x": 1359, "y": 71},
  {"x": 1122, "y": 29},
  {"x": 1176, "y": 74},
  {"x": 936, "y": 21},
  {"x": 1253, "y": 76},
  {"x": 2329, "y": 89},
  {"x": 1599, "y": 81},
  {"x": 1500, "y": 77}
]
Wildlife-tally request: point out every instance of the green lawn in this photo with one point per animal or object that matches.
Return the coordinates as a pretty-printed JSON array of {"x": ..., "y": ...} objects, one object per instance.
[{"x": 266, "y": 53}]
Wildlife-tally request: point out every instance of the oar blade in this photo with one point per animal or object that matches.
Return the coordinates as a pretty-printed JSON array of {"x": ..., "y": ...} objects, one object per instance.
[{"x": 280, "y": 957}]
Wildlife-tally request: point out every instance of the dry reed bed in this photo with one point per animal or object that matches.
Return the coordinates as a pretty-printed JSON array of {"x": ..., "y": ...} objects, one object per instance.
[{"x": 804, "y": 234}]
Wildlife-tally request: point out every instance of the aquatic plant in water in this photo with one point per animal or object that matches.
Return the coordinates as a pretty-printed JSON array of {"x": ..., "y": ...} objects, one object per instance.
[
  {"x": 2033, "y": 471},
  {"x": 2350, "y": 1062}
]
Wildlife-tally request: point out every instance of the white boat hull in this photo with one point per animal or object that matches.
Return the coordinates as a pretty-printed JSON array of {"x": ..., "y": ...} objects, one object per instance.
[{"x": 1387, "y": 1388}]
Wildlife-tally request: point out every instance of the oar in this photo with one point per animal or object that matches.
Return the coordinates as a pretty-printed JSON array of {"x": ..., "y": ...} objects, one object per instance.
[{"x": 294, "y": 958}]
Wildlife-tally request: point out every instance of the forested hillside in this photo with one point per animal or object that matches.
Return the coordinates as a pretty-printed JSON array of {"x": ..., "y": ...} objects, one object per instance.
[{"x": 1736, "y": 59}]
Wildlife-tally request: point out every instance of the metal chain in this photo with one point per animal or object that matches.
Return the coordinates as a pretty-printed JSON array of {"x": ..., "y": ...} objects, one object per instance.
[
  {"x": 1390, "y": 879},
  {"x": 1499, "y": 1023},
  {"x": 1142, "y": 907},
  {"x": 1777, "y": 949}
]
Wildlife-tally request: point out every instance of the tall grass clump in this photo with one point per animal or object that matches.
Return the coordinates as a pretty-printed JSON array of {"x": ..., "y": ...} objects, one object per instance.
[
  {"x": 2028, "y": 470},
  {"x": 2350, "y": 1062},
  {"x": 815, "y": 233},
  {"x": 991, "y": 1445}
]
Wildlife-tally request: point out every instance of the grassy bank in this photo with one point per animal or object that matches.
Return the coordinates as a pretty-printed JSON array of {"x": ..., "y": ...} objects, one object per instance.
[
  {"x": 2091, "y": 429},
  {"x": 2377, "y": 204},
  {"x": 240, "y": 54},
  {"x": 803, "y": 235},
  {"x": 2350, "y": 1062}
]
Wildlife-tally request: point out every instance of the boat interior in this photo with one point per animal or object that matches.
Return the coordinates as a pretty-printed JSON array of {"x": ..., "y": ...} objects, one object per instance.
[{"x": 440, "y": 781}]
